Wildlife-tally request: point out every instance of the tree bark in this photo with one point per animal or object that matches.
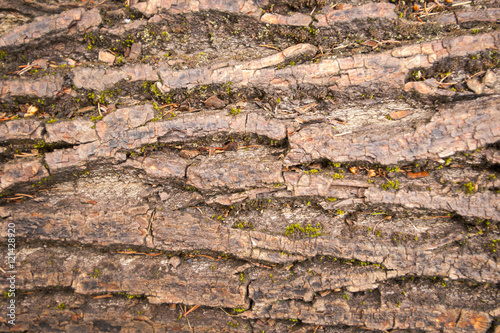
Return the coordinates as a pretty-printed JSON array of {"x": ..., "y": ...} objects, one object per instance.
[{"x": 249, "y": 166}]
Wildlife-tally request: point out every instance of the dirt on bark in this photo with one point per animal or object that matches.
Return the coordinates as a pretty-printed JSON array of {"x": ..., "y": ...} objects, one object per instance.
[{"x": 249, "y": 166}]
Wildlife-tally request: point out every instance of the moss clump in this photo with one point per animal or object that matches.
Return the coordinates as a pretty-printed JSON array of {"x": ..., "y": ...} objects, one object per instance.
[
  {"x": 307, "y": 231},
  {"x": 129, "y": 296},
  {"x": 391, "y": 184},
  {"x": 234, "y": 111},
  {"x": 96, "y": 273},
  {"x": 243, "y": 225},
  {"x": 61, "y": 306},
  {"x": 469, "y": 188}
]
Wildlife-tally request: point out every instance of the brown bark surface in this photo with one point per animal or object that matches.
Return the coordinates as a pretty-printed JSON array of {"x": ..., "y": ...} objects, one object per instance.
[{"x": 250, "y": 166}]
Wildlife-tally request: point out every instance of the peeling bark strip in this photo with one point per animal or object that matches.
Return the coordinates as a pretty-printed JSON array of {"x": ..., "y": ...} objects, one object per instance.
[
  {"x": 250, "y": 8},
  {"x": 206, "y": 166},
  {"x": 44, "y": 25},
  {"x": 162, "y": 280},
  {"x": 47, "y": 86},
  {"x": 389, "y": 68},
  {"x": 203, "y": 280},
  {"x": 175, "y": 227},
  {"x": 462, "y": 127}
]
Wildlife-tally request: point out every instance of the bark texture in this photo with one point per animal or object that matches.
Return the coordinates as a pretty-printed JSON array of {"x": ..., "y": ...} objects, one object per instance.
[{"x": 250, "y": 166}]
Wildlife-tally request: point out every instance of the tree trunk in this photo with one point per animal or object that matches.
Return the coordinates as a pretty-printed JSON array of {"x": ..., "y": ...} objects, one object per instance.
[{"x": 249, "y": 166}]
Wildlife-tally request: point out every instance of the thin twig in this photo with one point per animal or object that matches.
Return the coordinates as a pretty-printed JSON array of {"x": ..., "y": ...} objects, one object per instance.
[
  {"x": 270, "y": 47},
  {"x": 343, "y": 133},
  {"x": 86, "y": 109},
  {"x": 433, "y": 217},
  {"x": 25, "y": 195},
  {"x": 228, "y": 313},
  {"x": 444, "y": 78},
  {"x": 24, "y": 155},
  {"x": 343, "y": 46},
  {"x": 478, "y": 73},
  {"x": 461, "y": 4},
  {"x": 100, "y": 3},
  {"x": 204, "y": 255},
  {"x": 191, "y": 310},
  {"x": 102, "y": 296}
]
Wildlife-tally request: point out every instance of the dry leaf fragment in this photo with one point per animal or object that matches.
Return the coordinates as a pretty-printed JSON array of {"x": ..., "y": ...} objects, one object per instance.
[
  {"x": 31, "y": 111},
  {"x": 399, "y": 114},
  {"x": 231, "y": 146},
  {"x": 371, "y": 173},
  {"x": 420, "y": 174},
  {"x": 354, "y": 170},
  {"x": 371, "y": 43}
]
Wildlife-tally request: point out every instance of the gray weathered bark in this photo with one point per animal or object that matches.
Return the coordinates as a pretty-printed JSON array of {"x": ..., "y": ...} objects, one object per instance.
[{"x": 295, "y": 165}]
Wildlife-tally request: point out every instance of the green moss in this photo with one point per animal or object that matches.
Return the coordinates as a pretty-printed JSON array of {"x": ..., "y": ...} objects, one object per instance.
[
  {"x": 307, "y": 231},
  {"x": 51, "y": 121},
  {"x": 156, "y": 90},
  {"x": 243, "y": 225},
  {"x": 61, "y": 306},
  {"x": 493, "y": 245},
  {"x": 346, "y": 296},
  {"x": 228, "y": 87},
  {"x": 340, "y": 212},
  {"x": 390, "y": 169},
  {"x": 40, "y": 144},
  {"x": 331, "y": 199},
  {"x": 234, "y": 111},
  {"x": 191, "y": 188},
  {"x": 391, "y": 184},
  {"x": 308, "y": 172},
  {"x": 96, "y": 118},
  {"x": 96, "y": 273},
  {"x": 242, "y": 278},
  {"x": 469, "y": 188},
  {"x": 417, "y": 75},
  {"x": 129, "y": 296},
  {"x": 337, "y": 176}
]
